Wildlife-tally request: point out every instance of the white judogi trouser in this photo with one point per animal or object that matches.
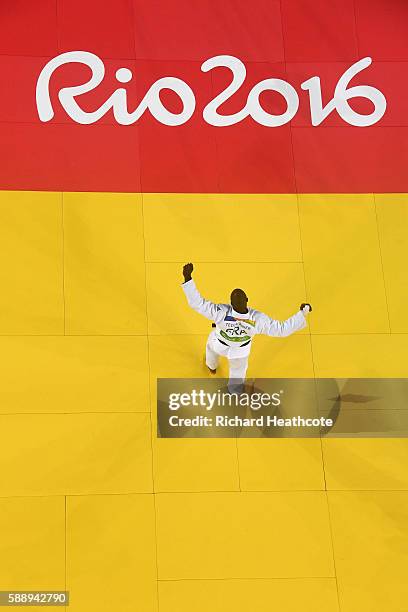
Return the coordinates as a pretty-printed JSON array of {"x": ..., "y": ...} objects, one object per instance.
[{"x": 237, "y": 365}]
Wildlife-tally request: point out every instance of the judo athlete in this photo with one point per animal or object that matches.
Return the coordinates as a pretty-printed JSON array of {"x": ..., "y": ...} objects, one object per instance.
[{"x": 235, "y": 325}]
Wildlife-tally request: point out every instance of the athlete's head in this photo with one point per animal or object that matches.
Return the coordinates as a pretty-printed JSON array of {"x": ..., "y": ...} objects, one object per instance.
[{"x": 239, "y": 301}]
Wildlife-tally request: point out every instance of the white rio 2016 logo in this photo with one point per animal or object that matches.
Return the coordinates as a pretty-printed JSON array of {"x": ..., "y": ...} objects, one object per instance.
[{"x": 118, "y": 100}]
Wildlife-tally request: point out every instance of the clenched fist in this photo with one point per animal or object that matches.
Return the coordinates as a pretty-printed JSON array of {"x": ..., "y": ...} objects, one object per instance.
[
  {"x": 187, "y": 271},
  {"x": 305, "y": 308}
]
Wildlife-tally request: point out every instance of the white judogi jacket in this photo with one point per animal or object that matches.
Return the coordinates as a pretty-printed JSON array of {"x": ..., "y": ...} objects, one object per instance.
[{"x": 233, "y": 330}]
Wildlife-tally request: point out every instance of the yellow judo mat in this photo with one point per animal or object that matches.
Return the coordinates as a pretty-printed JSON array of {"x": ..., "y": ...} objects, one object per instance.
[{"x": 92, "y": 313}]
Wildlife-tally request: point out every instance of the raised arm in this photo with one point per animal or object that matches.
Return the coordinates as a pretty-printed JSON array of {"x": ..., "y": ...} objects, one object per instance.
[
  {"x": 195, "y": 299},
  {"x": 272, "y": 327}
]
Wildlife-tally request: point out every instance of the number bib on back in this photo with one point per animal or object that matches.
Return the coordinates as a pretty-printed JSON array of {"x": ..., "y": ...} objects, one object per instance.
[{"x": 236, "y": 330}]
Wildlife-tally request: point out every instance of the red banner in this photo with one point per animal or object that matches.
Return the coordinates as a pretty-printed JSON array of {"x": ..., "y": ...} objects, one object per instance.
[{"x": 276, "y": 139}]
